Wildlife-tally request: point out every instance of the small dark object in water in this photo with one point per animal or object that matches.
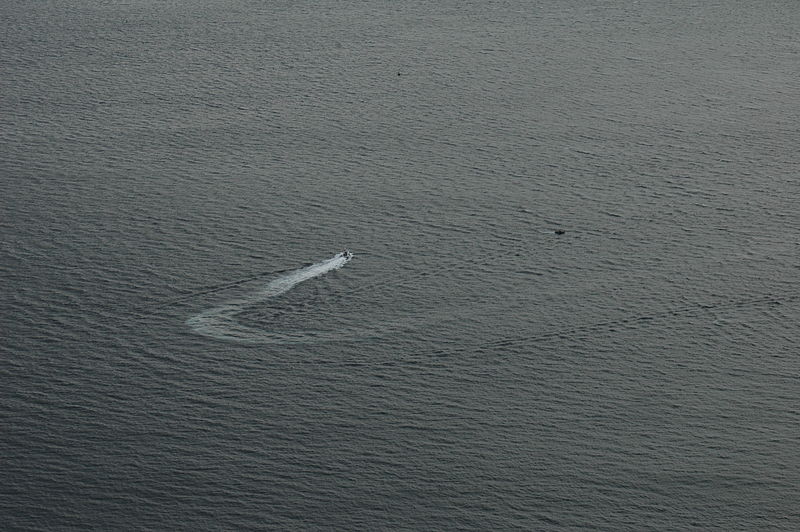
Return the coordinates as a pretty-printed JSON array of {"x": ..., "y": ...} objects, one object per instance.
[{"x": 560, "y": 231}]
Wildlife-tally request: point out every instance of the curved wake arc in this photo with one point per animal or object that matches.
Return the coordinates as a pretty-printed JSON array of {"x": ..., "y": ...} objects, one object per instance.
[{"x": 220, "y": 322}]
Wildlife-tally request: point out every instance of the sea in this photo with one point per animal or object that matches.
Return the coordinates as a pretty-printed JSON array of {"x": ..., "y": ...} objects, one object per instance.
[{"x": 572, "y": 301}]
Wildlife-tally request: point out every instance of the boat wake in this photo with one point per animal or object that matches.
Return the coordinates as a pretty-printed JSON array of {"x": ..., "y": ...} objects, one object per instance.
[{"x": 220, "y": 322}]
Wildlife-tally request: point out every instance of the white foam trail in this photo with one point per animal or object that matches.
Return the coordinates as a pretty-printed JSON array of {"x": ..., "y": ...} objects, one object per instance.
[
  {"x": 287, "y": 282},
  {"x": 220, "y": 322}
]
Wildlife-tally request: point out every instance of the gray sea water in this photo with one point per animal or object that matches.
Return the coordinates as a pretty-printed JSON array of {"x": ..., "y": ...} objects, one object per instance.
[{"x": 182, "y": 349}]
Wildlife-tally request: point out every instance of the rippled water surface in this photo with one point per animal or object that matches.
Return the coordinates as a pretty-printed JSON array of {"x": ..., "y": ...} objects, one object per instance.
[{"x": 573, "y": 300}]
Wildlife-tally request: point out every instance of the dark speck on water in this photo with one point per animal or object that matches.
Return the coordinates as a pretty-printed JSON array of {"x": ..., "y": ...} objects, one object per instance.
[{"x": 185, "y": 346}]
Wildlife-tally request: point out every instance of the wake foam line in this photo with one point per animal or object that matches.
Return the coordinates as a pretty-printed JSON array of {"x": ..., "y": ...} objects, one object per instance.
[
  {"x": 220, "y": 322},
  {"x": 631, "y": 322},
  {"x": 213, "y": 289}
]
